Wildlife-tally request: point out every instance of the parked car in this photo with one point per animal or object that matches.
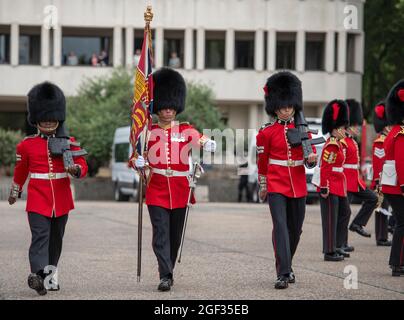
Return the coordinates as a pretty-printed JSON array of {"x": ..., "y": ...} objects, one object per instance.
[{"x": 126, "y": 180}]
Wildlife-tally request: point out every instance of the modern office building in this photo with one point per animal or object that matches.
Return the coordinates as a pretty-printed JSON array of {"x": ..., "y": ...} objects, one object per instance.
[{"x": 231, "y": 45}]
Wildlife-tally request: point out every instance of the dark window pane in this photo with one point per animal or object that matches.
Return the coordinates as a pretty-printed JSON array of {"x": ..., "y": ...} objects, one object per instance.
[
  {"x": 285, "y": 54},
  {"x": 79, "y": 50},
  {"x": 315, "y": 52},
  {"x": 336, "y": 53},
  {"x": 350, "y": 57},
  {"x": 244, "y": 50},
  {"x": 29, "y": 49},
  {"x": 173, "y": 53},
  {"x": 121, "y": 152},
  {"x": 214, "y": 54},
  {"x": 4, "y": 48}
]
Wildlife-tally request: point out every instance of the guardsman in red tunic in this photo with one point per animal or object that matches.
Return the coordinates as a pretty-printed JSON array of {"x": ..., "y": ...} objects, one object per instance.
[
  {"x": 281, "y": 171},
  {"x": 49, "y": 199},
  {"x": 355, "y": 185},
  {"x": 168, "y": 151},
  {"x": 333, "y": 190},
  {"x": 393, "y": 173},
  {"x": 378, "y": 156}
]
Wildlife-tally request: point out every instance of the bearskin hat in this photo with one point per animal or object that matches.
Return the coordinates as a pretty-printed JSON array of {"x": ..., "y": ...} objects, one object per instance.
[
  {"x": 355, "y": 112},
  {"x": 380, "y": 117},
  {"x": 335, "y": 115},
  {"x": 395, "y": 104},
  {"x": 169, "y": 90},
  {"x": 283, "y": 89},
  {"x": 46, "y": 101}
]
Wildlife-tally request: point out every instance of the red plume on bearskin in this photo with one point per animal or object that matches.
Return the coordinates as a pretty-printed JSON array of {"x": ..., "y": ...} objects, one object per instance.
[
  {"x": 395, "y": 103},
  {"x": 335, "y": 115},
  {"x": 379, "y": 117}
]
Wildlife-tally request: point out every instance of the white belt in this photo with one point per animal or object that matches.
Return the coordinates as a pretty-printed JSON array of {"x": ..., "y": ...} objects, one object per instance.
[
  {"x": 338, "y": 169},
  {"x": 171, "y": 173},
  {"x": 48, "y": 176},
  {"x": 351, "y": 166},
  {"x": 286, "y": 163},
  {"x": 390, "y": 162}
]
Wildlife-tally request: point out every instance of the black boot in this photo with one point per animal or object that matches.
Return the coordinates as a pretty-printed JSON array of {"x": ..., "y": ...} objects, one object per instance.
[
  {"x": 35, "y": 282},
  {"x": 282, "y": 282},
  {"x": 343, "y": 253},
  {"x": 348, "y": 248},
  {"x": 333, "y": 257},
  {"x": 165, "y": 284},
  {"x": 292, "y": 277},
  {"x": 383, "y": 243},
  {"x": 397, "y": 271},
  {"x": 359, "y": 229}
]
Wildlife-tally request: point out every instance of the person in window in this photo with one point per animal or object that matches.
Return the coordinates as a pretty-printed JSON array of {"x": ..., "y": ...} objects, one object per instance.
[
  {"x": 136, "y": 58},
  {"x": 94, "y": 60},
  {"x": 174, "y": 61},
  {"x": 103, "y": 58},
  {"x": 72, "y": 59}
]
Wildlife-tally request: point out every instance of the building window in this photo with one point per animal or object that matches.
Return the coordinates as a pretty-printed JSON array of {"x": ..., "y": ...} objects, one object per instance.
[
  {"x": 29, "y": 45},
  {"x": 174, "y": 48},
  {"x": 92, "y": 47},
  {"x": 351, "y": 51},
  {"x": 4, "y": 44},
  {"x": 244, "y": 50},
  {"x": 215, "y": 50},
  {"x": 286, "y": 50},
  {"x": 315, "y": 47},
  {"x": 139, "y": 34},
  {"x": 336, "y": 52}
]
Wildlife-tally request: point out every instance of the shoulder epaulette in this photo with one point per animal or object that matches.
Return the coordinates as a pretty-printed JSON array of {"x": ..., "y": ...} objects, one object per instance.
[
  {"x": 266, "y": 125},
  {"x": 185, "y": 123},
  {"x": 332, "y": 142},
  {"x": 343, "y": 141},
  {"x": 400, "y": 132},
  {"x": 381, "y": 138},
  {"x": 31, "y": 136}
]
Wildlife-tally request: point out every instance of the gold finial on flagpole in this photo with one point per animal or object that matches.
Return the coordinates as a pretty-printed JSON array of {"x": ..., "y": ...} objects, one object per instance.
[{"x": 148, "y": 15}]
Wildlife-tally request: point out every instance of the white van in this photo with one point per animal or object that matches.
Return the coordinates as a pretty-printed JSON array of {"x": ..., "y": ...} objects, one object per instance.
[{"x": 126, "y": 180}]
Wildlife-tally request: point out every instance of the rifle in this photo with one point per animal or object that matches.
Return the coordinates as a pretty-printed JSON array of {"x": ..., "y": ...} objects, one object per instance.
[
  {"x": 196, "y": 174},
  {"x": 61, "y": 147},
  {"x": 299, "y": 136}
]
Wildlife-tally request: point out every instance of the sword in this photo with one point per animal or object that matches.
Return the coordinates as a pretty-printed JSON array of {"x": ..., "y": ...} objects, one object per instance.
[{"x": 196, "y": 174}]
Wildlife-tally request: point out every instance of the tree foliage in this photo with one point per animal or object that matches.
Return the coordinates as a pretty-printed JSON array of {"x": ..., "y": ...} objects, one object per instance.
[{"x": 384, "y": 50}]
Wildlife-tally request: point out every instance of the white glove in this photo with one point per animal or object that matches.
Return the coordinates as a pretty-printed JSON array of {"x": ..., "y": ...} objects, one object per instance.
[
  {"x": 140, "y": 162},
  {"x": 210, "y": 146}
]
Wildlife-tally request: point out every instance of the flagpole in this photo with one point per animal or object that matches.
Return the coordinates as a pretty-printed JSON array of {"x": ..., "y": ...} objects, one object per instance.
[{"x": 148, "y": 17}]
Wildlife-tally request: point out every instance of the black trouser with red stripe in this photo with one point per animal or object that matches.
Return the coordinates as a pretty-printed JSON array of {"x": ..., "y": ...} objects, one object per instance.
[
  {"x": 335, "y": 215},
  {"x": 381, "y": 221},
  {"x": 397, "y": 248},
  {"x": 167, "y": 231},
  {"x": 287, "y": 218},
  {"x": 46, "y": 243}
]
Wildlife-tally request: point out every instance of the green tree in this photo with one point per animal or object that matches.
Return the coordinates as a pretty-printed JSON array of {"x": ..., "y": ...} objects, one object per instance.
[
  {"x": 101, "y": 106},
  {"x": 384, "y": 50},
  {"x": 201, "y": 110},
  {"x": 104, "y": 104},
  {"x": 8, "y": 142}
]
